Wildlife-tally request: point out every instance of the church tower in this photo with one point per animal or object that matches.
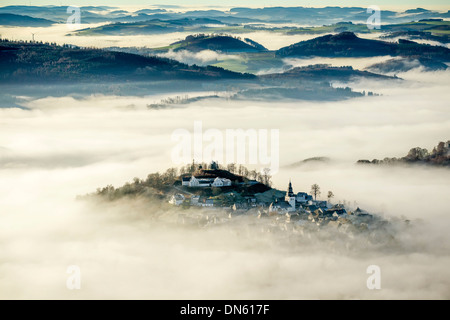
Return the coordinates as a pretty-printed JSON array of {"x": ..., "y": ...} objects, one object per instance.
[{"x": 290, "y": 197}]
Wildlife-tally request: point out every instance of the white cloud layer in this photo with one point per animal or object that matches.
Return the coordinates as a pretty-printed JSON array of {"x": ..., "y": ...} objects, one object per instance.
[
  {"x": 201, "y": 58},
  {"x": 63, "y": 147}
]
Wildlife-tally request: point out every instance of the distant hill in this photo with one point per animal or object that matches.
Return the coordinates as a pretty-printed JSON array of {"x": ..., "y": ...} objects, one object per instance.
[
  {"x": 308, "y": 91},
  {"x": 433, "y": 28},
  {"x": 37, "y": 62},
  {"x": 14, "y": 20},
  {"x": 240, "y": 15},
  {"x": 153, "y": 26},
  {"x": 305, "y": 15},
  {"x": 90, "y": 14},
  {"x": 428, "y": 29},
  {"x": 324, "y": 72},
  {"x": 335, "y": 27},
  {"x": 418, "y": 35},
  {"x": 312, "y": 160},
  {"x": 221, "y": 43},
  {"x": 439, "y": 156},
  {"x": 406, "y": 64},
  {"x": 347, "y": 44}
]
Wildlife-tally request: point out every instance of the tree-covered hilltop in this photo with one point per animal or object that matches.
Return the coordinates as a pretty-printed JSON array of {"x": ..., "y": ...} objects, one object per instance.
[
  {"x": 439, "y": 156},
  {"x": 420, "y": 35},
  {"x": 46, "y": 62},
  {"x": 215, "y": 42},
  {"x": 405, "y": 64},
  {"x": 324, "y": 72},
  {"x": 161, "y": 185},
  {"x": 164, "y": 198},
  {"x": 347, "y": 44}
]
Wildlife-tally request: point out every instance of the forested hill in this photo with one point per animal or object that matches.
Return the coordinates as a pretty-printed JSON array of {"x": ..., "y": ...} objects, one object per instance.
[
  {"x": 9, "y": 19},
  {"x": 347, "y": 44},
  {"x": 221, "y": 43},
  {"x": 439, "y": 156},
  {"x": 39, "y": 62}
]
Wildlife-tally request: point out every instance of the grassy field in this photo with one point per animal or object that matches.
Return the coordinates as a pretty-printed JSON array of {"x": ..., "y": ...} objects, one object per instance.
[{"x": 251, "y": 62}]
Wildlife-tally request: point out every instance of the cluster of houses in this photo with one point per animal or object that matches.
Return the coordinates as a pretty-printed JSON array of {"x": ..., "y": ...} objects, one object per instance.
[
  {"x": 290, "y": 205},
  {"x": 294, "y": 208},
  {"x": 179, "y": 199}
]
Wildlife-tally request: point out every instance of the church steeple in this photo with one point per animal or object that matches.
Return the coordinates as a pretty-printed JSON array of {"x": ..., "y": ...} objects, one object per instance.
[
  {"x": 290, "y": 192},
  {"x": 290, "y": 197}
]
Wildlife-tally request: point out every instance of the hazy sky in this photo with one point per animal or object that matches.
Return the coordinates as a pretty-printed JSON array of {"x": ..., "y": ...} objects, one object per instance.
[{"x": 254, "y": 3}]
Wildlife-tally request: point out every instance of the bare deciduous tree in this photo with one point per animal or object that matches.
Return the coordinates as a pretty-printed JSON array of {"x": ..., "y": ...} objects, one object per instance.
[
  {"x": 231, "y": 167},
  {"x": 330, "y": 195},
  {"x": 267, "y": 177},
  {"x": 315, "y": 190}
]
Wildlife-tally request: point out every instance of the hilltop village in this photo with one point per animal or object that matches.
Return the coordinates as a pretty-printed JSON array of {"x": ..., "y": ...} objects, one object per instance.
[
  {"x": 207, "y": 195},
  {"x": 224, "y": 195}
]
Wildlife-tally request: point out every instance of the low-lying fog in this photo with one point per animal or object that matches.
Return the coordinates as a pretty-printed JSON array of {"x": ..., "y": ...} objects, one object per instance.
[
  {"x": 61, "y": 33},
  {"x": 64, "y": 147}
]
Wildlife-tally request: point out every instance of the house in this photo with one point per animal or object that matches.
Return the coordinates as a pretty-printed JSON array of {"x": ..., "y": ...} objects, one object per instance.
[
  {"x": 251, "y": 201},
  {"x": 240, "y": 206},
  {"x": 207, "y": 203},
  {"x": 221, "y": 182},
  {"x": 303, "y": 197},
  {"x": 292, "y": 216},
  {"x": 185, "y": 181},
  {"x": 339, "y": 210},
  {"x": 177, "y": 199},
  {"x": 359, "y": 212},
  {"x": 280, "y": 207},
  {"x": 205, "y": 182},
  {"x": 310, "y": 207},
  {"x": 200, "y": 182},
  {"x": 195, "y": 200},
  {"x": 320, "y": 204},
  {"x": 362, "y": 215}
]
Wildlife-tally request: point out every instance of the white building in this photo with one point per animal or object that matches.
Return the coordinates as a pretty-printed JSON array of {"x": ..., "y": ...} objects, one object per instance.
[
  {"x": 208, "y": 203},
  {"x": 199, "y": 182},
  {"x": 221, "y": 182},
  {"x": 195, "y": 200},
  {"x": 281, "y": 207},
  {"x": 185, "y": 181},
  {"x": 177, "y": 199},
  {"x": 303, "y": 197}
]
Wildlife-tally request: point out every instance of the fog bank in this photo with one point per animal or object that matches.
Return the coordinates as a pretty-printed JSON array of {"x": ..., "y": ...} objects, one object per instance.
[{"x": 64, "y": 146}]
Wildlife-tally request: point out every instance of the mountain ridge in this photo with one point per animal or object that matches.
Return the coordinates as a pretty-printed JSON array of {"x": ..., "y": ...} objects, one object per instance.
[
  {"x": 32, "y": 61},
  {"x": 347, "y": 44},
  {"x": 16, "y": 20}
]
